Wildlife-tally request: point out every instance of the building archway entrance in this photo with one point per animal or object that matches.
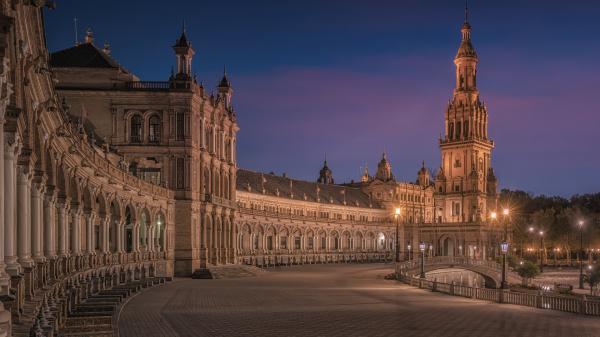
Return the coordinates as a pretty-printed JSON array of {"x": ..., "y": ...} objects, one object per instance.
[{"x": 448, "y": 247}]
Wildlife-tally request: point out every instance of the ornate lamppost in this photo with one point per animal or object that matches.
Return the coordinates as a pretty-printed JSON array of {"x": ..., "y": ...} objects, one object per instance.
[
  {"x": 397, "y": 216},
  {"x": 580, "y": 254},
  {"x": 494, "y": 216},
  {"x": 504, "y": 248},
  {"x": 541, "y": 251},
  {"x": 422, "y": 249},
  {"x": 409, "y": 247}
]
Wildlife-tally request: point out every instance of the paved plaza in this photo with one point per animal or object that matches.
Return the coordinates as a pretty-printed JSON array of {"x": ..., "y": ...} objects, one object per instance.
[{"x": 331, "y": 300}]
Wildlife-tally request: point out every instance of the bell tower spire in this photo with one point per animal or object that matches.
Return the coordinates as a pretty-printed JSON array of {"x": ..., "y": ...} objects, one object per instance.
[
  {"x": 184, "y": 54},
  {"x": 465, "y": 147}
]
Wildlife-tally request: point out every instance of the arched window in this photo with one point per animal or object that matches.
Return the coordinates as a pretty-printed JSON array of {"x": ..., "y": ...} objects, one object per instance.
[
  {"x": 136, "y": 129},
  {"x": 154, "y": 129},
  {"x": 458, "y": 130},
  {"x": 466, "y": 127},
  {"x": 451, "y": 131}
]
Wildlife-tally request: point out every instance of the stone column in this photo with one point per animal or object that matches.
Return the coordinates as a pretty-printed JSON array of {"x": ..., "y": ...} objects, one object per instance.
[
  {"x": 89, "y": 234},
  {"x": 135, "y": 238},
  {"x": 11, "y": 149},
  {"x": 37, "y": 214},
  {"x": 49, "y": 226},
  {"x": 63, "y": 213},
  {"x": 75, "y": 233},
  {"x": 150, "y": 238},
  {"x": 4, "y": 278},
  {"x": 203, "y": 241},
  {"x": 119, "y": 237},
  {"x": 104, "y": 238},
  {"x": 24, "y": 217}
]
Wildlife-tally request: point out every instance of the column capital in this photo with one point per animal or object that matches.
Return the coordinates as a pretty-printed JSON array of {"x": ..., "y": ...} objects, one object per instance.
[{"x": 12, "y": 144}]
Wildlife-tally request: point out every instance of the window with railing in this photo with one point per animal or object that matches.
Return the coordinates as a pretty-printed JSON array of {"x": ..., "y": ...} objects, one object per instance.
[
  {"x": 297, "y": 242},
  {"x": 136, "y": 129},
  {"x": 180, "y": 126},
  {"x": 283, "y": 242},
  {"x": 180, "y": 172},
  {"x": 154, "y": 128}
]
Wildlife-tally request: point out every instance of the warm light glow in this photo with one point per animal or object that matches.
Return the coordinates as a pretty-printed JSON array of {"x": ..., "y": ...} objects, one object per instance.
[
  {"x": 541, "y": 232},
  {"x": 422, "y": 246},
  {"x": 397, "y": 211},
  {"x": 590, "y": 267},
  {"x": 580, "y": 223},
  {"x": 494, "y": 215},
  {"x": 531, "y": 229},
  {"x": 505, "y": 211}
]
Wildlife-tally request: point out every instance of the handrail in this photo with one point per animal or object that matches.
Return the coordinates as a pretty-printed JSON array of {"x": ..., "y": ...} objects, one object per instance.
[{"x": 542, "y": 300}]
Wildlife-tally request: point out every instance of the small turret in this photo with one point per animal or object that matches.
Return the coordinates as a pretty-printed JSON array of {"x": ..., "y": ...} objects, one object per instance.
[
  {"x": 89, "y": 36},
  {"x": 384, "y": 170},
  {"x": 325, "y": 175},
  {"x": 423, "y": 176},
  {"x": 365, "y": 177},
  {"x": 184, "y": 53},
  {"x": 225, "y": 90}
]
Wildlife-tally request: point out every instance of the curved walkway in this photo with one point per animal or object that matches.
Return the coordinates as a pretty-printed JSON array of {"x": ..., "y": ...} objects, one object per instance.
[{"x": 331, "y": 300}]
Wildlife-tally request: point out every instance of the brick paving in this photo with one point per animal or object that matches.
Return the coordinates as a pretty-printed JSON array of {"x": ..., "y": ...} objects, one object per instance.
[{"x": 332, "y": 300}]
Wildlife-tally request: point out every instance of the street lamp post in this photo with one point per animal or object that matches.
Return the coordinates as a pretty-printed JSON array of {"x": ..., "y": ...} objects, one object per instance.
[
  {"x": 409, "y": 247},
  {"x": 541, "y": 251},
  {"x": 580, "y": 254},
  {"x": 504, "y": 248},
  {"x": 397, "y": 216},
  {"x": 422, "y": 249}
]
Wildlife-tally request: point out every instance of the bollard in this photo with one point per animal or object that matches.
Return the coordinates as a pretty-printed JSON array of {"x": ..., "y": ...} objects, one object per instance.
[
  {"x": 452, "y": 288},
  {"x": 434, "y": 285}
]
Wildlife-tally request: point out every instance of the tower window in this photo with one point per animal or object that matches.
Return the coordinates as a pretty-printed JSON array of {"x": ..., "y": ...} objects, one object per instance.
[
  {"x": 154, "y": 129},
  {"x": 136, "y": 129},
  {"x": 180, "y": 172},
  {"x": 180, "y": 126}
]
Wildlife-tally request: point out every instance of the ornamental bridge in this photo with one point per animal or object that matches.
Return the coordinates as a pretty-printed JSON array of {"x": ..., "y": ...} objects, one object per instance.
[{"x": 489, "y": 270}]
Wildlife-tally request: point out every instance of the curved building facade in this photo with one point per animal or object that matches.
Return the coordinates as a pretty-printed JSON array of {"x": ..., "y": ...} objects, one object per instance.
[{"x": 111, "y": 183}]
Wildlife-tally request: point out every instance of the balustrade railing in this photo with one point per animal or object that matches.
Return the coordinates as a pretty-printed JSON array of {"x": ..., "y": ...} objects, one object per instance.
[
  {"x": 575, "y": 304},
  {"x": 148, "y": 85},
  {"x": 271, "y": 260}
]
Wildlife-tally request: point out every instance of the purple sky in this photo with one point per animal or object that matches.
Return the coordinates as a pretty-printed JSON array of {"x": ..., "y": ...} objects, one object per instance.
[{"x": 354, "y": 78}]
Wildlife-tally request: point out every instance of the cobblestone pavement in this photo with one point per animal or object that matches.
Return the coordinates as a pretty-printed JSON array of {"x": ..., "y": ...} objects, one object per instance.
[{"x": 331, "y": 300}]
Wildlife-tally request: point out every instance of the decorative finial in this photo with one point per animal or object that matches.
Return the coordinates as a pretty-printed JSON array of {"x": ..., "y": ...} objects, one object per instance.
[
  {"x": 183, "y": 26},
  {"x": 75, "y": 28},
  {"x": 466, "y": 11}
]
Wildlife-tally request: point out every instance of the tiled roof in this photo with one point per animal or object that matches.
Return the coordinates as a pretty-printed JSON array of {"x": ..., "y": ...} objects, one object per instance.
[
  {"x": 85, "y": 55},
  {"x": 285, "y": 186}
]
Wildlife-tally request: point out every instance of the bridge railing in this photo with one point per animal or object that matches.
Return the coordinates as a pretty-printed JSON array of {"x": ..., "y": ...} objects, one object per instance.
[
  {"x": 406, "y": 266},
  {"x": 575, "y": 304}
]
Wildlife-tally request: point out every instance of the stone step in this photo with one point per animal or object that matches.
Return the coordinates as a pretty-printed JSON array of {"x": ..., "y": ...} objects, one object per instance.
[
  {"x": 88, "y": 321},
  {"x": 100, "y": 330}
]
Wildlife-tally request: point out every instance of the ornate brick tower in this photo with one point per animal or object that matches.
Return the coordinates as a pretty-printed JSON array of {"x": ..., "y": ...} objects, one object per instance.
[{"x": 465, "y": 190}]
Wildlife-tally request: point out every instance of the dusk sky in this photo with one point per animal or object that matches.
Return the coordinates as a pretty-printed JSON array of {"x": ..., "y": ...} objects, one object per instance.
[{"x": 351, "y": 79}]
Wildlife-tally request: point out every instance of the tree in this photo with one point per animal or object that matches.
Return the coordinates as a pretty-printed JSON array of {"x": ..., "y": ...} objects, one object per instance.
[
  {"x": 593, "y": 279},
  {"x": 527, "y": 270}
]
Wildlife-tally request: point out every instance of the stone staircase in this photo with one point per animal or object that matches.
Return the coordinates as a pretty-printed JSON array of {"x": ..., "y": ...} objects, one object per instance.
[
  {"x": 235, "y": 271},
  {"x": 97, "y": 314}
]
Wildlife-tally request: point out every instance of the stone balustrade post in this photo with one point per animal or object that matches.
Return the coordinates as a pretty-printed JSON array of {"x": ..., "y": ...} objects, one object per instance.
[
  {"x": 37, "y": 215},
  {"x": 12, "y": 147},
  {"x": 24, "y": 217}
]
